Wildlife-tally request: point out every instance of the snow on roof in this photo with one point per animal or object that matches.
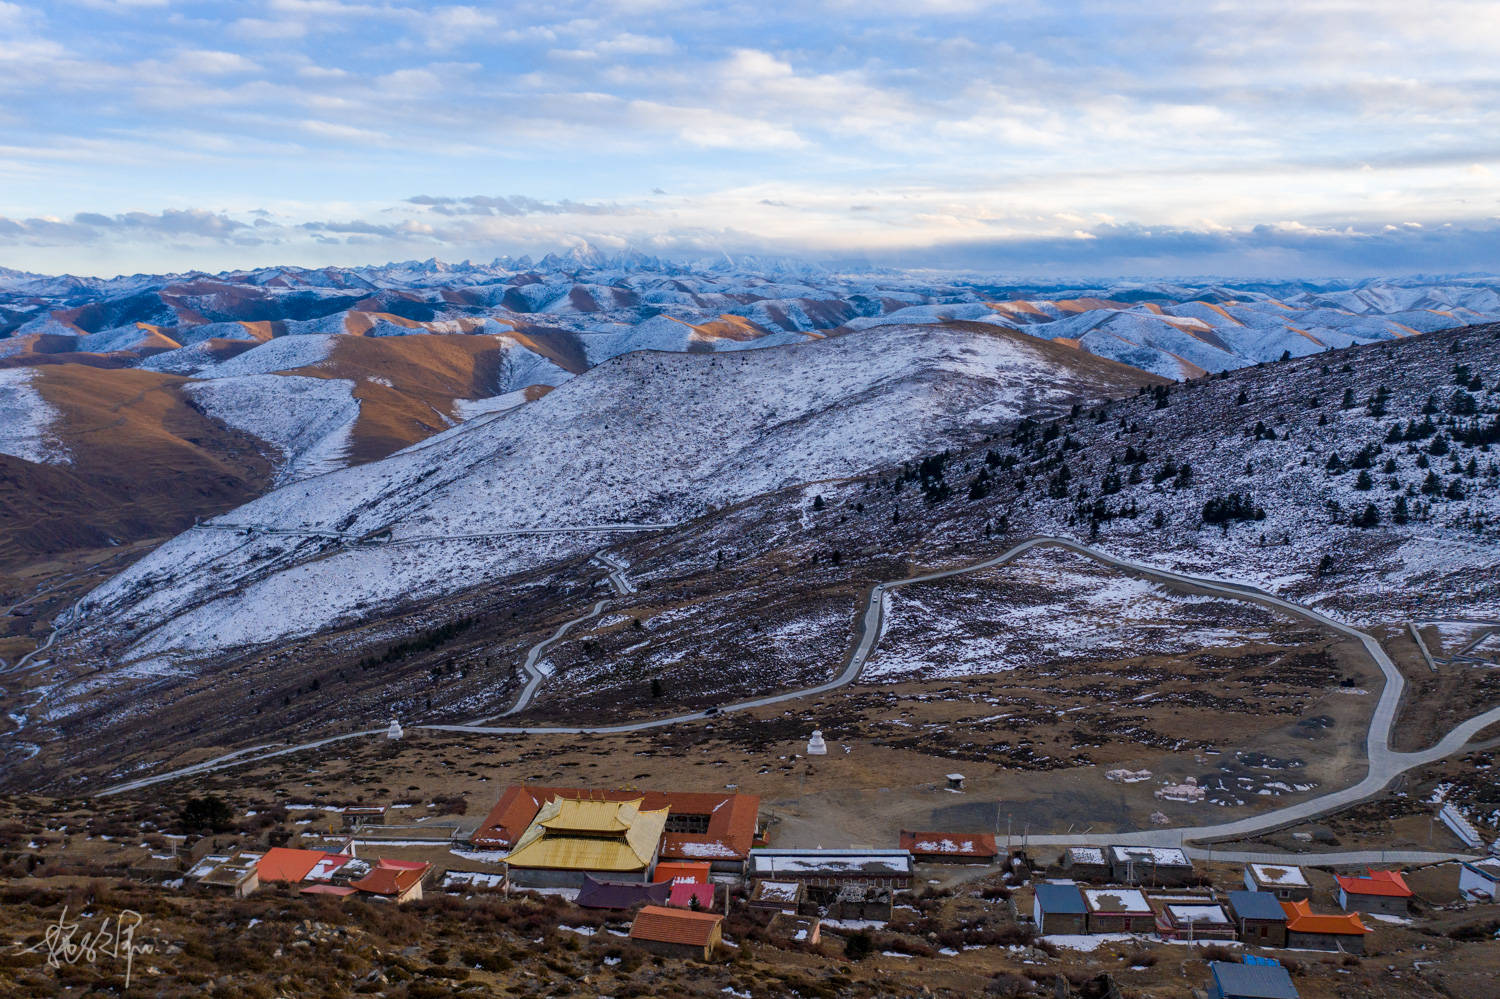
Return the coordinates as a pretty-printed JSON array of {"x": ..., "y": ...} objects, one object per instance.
[
  {"x": 1278, "y": 874},
  {"x": 871, "y": 862},
  {"x": 1116, "y": 900},
  {"x": 713, "y": 848},
  {"x": 1160, "y": 856},
  {"x": 474, "y": 879},
  {"x": 949, "y": 844},
  {"x": 778, "y": 891},
  {"x": 1086, "y": 854},
  {"x": 1204, "y": 912}
]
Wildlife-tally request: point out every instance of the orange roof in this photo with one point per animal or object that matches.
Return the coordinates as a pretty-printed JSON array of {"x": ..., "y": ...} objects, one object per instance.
[
  {"x": 731, "y": 818},
  {"x": 678, "y": 870},
  {"x": 1388, "y": 883},
  {"x": 336, "y": 890},
  {"x": 949, "y": 844},
  {"x": 386, "y": 880},
  {"x": 1301, "y": 919},
  {"x": 285, "y": 864},
  {"x": 679, "y": 926}
]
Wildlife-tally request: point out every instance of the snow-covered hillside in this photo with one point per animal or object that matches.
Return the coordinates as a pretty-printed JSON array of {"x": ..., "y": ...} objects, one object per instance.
[
  {"x": 27, "y": 421},
  {"x": 645, "y": 437}
]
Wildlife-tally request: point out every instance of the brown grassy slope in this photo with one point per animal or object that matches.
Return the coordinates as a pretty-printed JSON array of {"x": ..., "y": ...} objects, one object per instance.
[
  {"x": 145, "y": 463},
  {"x": 426, "y": 372}
]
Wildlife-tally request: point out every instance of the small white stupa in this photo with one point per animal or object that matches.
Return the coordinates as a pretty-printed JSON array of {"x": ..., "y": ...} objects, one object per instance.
[
  {"x": 393, "y": 731},
  {"x": 816, "y": 746}
]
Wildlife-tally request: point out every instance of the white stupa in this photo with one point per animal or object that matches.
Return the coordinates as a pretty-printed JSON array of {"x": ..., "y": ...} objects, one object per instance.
[
  {"x": 393, "y": 731},
  {"x": 816, "y": 746}
]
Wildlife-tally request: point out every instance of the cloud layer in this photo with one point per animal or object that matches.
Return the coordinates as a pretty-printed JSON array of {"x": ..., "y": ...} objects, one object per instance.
[{"x": 166, "y": 134}]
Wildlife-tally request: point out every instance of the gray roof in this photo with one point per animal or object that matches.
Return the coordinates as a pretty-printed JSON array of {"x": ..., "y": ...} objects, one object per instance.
[
  {"x": 1256, "y": 905},
  {"x": 1252, "y": 981},
  {"x": 1063, "y": 899}
]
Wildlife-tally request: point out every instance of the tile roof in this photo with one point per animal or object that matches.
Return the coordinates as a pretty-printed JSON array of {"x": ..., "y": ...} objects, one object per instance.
[
  {"x": 285, "y": 864},
  {"x": 681, "y": 870},
  {"x": 731, "y": 818},
  {"x": 620, "y": 894},
  {"x": 1301, "y": 919},
  {"x": 1386, "y": 883},
  {"x": 950, "y": 844},
  {"x": 1257, "y": 905},
  {"x": 390, "y": 880},
  {"x": 339, "y": 890},
  {"x": 573, "y": 835},
  {"x": 679, "y": 926}
]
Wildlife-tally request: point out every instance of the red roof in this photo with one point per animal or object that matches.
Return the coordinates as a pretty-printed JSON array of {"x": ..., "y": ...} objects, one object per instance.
[
  {"x": 677, "y": 870},
  {"x": 340, "y": 890},
  {"x": 949, "y": 844},
  {"x": 282, "y": 863},
  {"x": 386, "y": 879},
  {"x": 1301, "y": 919},
  {"x": 1387, "y": 883},
  {"x": 684, "y": 892},
  {"x": 679, "y": 926},
  {"x": 731, "y": 819}
]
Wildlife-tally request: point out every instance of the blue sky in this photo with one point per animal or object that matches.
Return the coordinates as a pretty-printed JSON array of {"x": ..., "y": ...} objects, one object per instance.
[{"x": 1256, "y": 138}]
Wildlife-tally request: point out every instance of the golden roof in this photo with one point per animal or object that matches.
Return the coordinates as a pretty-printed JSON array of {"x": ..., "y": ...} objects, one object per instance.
[
  {"x": 574, "y": 815},
  {"x": 569, "y": 834}
]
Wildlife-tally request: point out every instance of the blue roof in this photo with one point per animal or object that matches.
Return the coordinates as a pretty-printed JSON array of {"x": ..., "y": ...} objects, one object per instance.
[
  {"x": 1062, "y": 899},
  {"x": 1252, "y": 981},
  {"x": 1256, "y": 905}
]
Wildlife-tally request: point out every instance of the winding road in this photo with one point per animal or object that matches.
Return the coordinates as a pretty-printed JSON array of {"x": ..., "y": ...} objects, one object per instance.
[{"x": 1383, "y": 764}]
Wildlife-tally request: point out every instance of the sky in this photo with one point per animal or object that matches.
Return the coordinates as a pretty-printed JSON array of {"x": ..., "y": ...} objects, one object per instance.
[{"x": 1263, "y": 138}]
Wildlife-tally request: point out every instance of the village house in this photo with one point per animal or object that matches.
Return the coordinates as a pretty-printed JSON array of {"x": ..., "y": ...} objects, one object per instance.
[
  {"x": 834, "y": 868},
  {"x": 692, "y": 895},
  {"x": 355, "y": 816},
  {"x": 1259, "y": 918},
  {"x": 677, "y": 932},
  {"x": 570, "y": 839},
  {"x": 1150, "y": 865},
  {"x": 597, "y": 894},
  {"x": 289, "y": 866},
  {"x": 1192, "y": 918},
  {"x": 1480, "y": 879},
  {"x": 785, "y": 896},
  {"x": 328, "y": 891},
  {"x": 396, "y": 881},
  {"x": 1086, "y": 863},
  {"x": 235, "y": 875},
  {"x": 1382, "y": 893},
  {"x": 1251, "y": 980},
  {"x": 675, "y": 871},
  {"x": 1118, "y": 910},
  {"x": 1285, "y": 881},
  {"x": 715, "y": 828},
  {"x": 796, "y": 929},
  {"x": 1059, "y": 909},
  {"x": 950, "y": 848},
  {"x": 1307, "y": 930}
]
